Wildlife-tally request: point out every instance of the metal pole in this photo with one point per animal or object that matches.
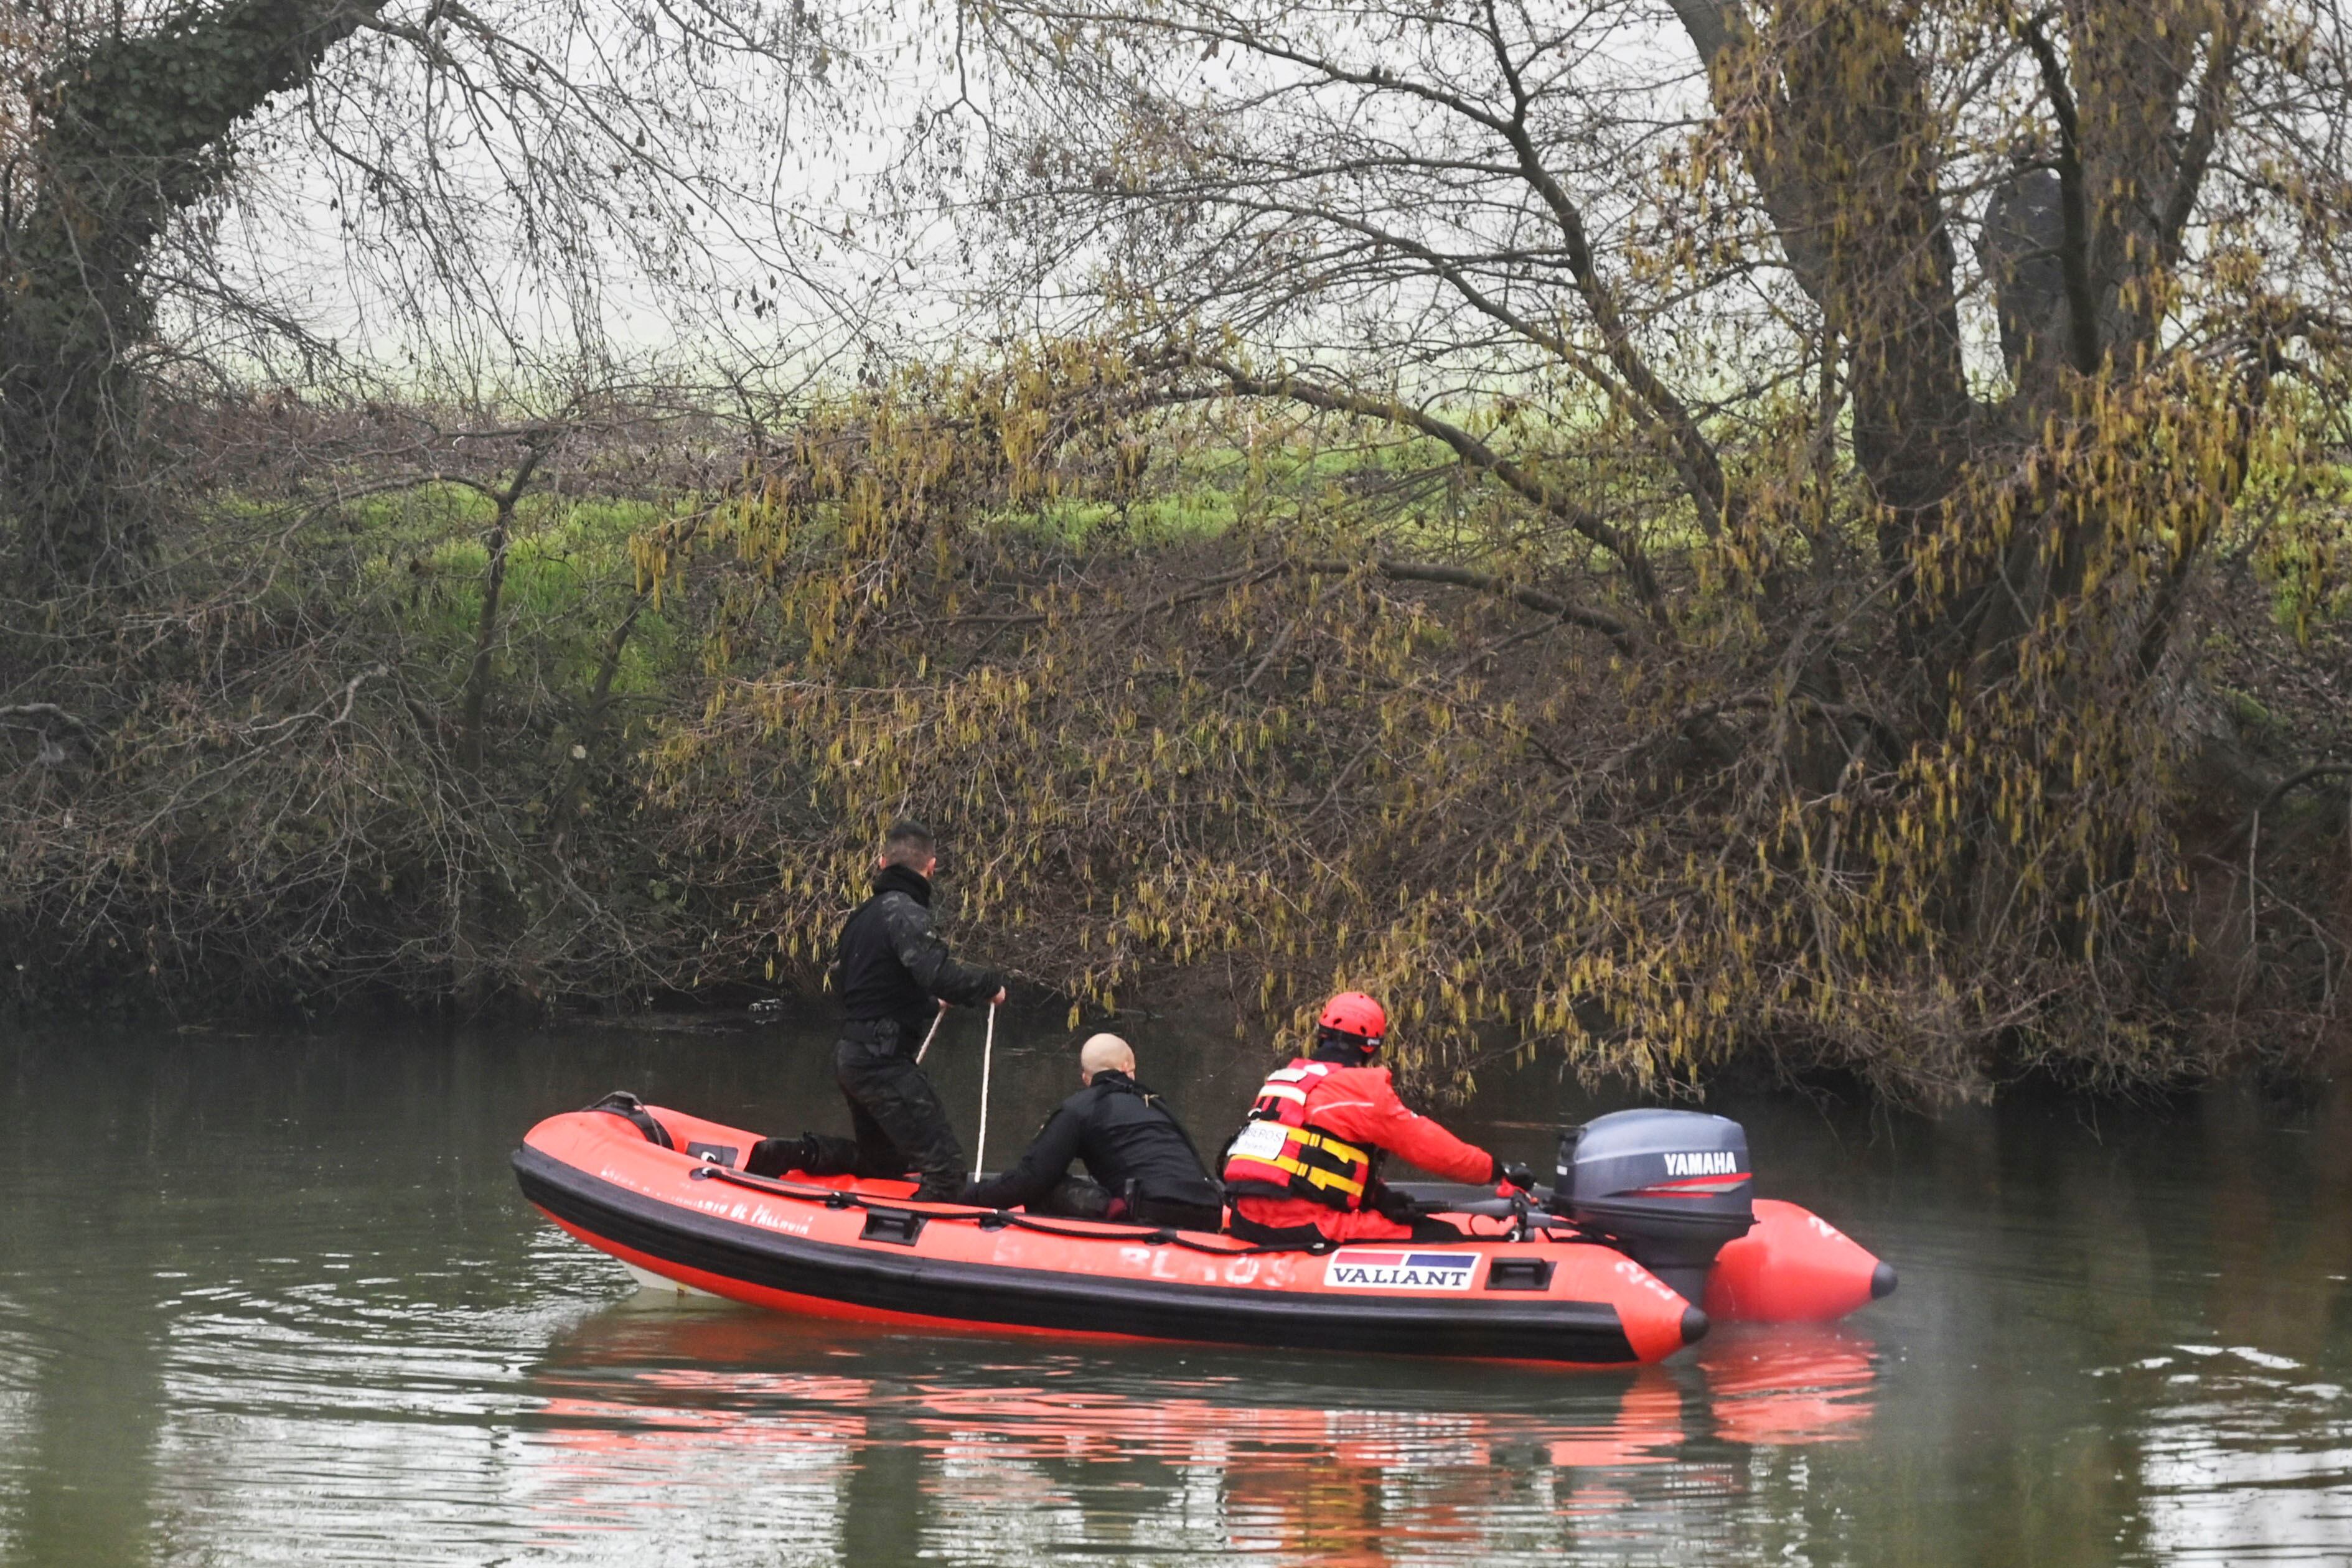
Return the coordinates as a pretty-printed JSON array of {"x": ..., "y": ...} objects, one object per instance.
[{"x": 987, "y": 1055}]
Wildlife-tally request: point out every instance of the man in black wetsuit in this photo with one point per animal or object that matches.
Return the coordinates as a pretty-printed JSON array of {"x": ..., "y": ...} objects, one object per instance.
[
  {"x": 1146, "y": 1166},
  {"x": 892, "y": 973}
]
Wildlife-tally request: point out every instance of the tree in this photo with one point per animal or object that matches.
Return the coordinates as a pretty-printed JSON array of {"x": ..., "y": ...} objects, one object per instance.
[
  {"x": 241, "y": 762},
  {"x": 127, "y": 132},
  {"x": 493, "y": 171},
  {"x": 1896, "y": 551}
]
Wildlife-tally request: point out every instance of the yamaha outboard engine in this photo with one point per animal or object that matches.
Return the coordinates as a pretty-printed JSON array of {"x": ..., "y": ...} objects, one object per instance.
[{"x": 1671, "y": 1187}]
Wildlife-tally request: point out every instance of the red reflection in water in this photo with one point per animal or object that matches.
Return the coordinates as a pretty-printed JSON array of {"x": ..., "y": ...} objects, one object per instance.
[
  {"x": 1797, "y": 1384},
  {"x": 1345, "y": 1485}
]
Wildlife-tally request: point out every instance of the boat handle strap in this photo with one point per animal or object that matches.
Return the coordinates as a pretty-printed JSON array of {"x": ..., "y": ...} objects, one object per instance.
[{"x": 986, "y": 1219}]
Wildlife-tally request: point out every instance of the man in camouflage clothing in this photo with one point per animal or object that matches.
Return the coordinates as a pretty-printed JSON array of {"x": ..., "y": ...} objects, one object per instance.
[{"x": 892, "y": 973}]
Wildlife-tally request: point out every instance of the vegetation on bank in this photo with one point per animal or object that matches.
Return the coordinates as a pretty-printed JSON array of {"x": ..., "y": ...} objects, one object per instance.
[{"x": 1187, "y": 716}]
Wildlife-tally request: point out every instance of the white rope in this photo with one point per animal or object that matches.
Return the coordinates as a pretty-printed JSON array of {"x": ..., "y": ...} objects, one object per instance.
[
  {"x": 987, "y": 1055},
  {"x": 934, "y": 1030}
]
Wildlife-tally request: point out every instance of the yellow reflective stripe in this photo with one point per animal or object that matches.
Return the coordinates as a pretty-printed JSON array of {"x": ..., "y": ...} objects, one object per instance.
[
  {"x": 1316, "y": 1178},
  {"x": 1331, "y": 1145}
]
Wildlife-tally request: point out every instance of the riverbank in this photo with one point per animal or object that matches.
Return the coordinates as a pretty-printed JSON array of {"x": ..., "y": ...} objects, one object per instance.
[{"x": 616, "y": 730}]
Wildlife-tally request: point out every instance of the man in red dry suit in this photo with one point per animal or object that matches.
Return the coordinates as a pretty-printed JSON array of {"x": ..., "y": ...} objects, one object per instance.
[{"x": 1305, "y": 1167}]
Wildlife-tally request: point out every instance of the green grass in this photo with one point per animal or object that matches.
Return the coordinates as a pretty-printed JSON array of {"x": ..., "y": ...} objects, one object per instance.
[{"x": 423, "y": 554}]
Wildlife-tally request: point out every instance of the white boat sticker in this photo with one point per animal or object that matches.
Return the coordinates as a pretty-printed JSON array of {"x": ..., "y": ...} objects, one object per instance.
[{"x": 1368, "y": 1269}]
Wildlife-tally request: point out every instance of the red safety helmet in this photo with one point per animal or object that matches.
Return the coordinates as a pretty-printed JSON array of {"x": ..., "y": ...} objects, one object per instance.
[{"x": 1352, "y": 1012}]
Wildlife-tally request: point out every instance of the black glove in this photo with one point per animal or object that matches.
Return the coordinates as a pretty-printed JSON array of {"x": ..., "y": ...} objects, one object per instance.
[
  {"x": 1390, "y": 1204},
  {"x": 1515, "y": 1174}
]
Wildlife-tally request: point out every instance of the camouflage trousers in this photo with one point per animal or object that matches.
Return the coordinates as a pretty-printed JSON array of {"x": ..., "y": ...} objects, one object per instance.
[{"x": 900, "y": 1124}]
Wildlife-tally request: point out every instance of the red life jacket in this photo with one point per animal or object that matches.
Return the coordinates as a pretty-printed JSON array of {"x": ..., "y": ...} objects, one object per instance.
[{"x": 1279, "y": 1153}]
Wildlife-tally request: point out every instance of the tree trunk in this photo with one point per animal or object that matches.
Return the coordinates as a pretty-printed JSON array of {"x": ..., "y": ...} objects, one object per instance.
[
  {"x": 133, "y": 131},
  {"x": 471, "y": 981}
]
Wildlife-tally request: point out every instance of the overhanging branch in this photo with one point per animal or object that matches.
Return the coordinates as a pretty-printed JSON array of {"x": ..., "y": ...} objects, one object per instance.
[
  {"x": 1534, "y": 599},
  {"x": 1623, "y": 546}
]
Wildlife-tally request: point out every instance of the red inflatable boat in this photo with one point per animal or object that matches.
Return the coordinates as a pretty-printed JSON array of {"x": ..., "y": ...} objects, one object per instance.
[{"x": 1588, "y": 1285}]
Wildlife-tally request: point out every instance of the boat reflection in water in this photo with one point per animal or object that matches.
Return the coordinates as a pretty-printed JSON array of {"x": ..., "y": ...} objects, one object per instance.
[{"x": 870, "y": 1446}]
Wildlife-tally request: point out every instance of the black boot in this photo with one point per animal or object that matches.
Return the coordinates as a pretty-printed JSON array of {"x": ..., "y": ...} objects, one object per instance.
[
  {"x": 774, "y": 1156},
  {"x": 810, "y": 1154}
]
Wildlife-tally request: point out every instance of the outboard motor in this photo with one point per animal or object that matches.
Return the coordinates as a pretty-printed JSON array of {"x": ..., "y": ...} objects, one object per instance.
[{"x": 1671, "y": 1187}]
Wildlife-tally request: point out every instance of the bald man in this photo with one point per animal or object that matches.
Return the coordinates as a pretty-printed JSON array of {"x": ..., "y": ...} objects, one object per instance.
[{"x": 1145, "y": 1165}]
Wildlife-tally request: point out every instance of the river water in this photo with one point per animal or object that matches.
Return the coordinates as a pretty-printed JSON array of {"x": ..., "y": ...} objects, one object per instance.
[{"x": 275, "y": 1300}]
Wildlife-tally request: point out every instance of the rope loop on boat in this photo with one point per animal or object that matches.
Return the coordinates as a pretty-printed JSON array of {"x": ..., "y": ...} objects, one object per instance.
[
  {"x": 1531, "y": 1225},
  {"x": 987, "y": 1218}
]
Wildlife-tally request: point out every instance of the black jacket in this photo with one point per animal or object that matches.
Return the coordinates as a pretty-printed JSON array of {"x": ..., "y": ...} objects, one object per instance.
[
  {"x": 890, "y": 965},
  {"x": 1124, "y": 1134}
]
